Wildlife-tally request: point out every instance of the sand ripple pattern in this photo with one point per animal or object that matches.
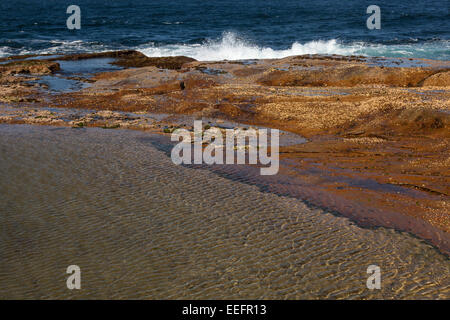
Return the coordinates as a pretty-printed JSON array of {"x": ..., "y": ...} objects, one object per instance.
[{"x": 140, "y": 227}]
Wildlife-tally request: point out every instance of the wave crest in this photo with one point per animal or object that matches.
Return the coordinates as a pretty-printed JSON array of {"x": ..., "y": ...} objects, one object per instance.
[{"x": 231, "y": 47}]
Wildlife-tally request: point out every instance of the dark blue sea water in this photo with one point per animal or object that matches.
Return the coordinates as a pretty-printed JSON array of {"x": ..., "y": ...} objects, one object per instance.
[{"x": 228, "y": 29}]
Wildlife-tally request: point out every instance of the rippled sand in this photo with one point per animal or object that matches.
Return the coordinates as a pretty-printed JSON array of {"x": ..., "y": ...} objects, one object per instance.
[{"x": 112, "y": 203}]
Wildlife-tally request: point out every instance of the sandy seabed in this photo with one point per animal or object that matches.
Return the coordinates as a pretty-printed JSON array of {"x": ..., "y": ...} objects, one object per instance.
[{"x": 138, "y": 226}]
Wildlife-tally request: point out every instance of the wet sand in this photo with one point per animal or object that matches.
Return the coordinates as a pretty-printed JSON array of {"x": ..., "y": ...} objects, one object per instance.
[{"x": 112, "y": 202}]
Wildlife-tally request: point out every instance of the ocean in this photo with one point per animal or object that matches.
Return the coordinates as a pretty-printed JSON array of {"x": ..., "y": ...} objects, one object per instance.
[{"x": 232, "y": 30}]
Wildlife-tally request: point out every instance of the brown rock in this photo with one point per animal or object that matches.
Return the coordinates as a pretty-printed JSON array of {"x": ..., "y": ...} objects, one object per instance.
[{"x": 440, "y": 79}]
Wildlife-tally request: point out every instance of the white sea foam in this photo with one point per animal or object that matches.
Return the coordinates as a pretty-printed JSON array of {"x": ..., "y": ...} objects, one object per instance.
[
  {"x": 4, "y": 52},
  {"x": 231, "y": 47},
  {"x": 58, "y": 46}
]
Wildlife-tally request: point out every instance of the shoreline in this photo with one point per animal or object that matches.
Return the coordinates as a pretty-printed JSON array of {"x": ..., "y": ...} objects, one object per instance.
[{"x": 377, "y": 135}]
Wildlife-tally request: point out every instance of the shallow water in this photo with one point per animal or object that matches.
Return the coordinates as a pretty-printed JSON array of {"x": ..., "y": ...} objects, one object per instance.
[
  {"x": 64, "y": 81},
  {"x": 112, "y": 203},
  {"x": 60, "y": 85},
  {"x": 68, "y": 79},
  {"x": 87, "y": 66}
]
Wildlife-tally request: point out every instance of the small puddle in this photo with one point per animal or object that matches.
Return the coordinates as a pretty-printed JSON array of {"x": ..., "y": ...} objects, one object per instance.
[
  {"x": 57, "y": 84},
  {"x": 87, "y": 67},
  {"x": 53, "y": 56},
  {"x": 248, "y": 62}
]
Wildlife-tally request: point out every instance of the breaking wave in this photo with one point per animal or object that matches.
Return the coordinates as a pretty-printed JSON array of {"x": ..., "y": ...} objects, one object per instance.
[{"x": 231, "y": 47}]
